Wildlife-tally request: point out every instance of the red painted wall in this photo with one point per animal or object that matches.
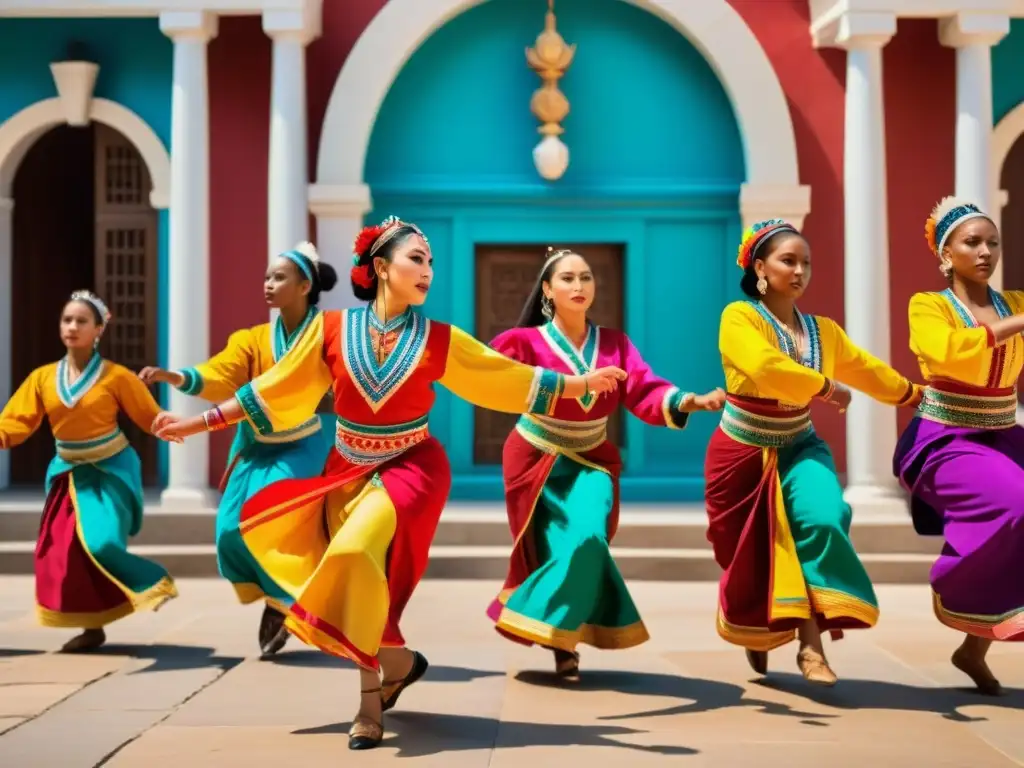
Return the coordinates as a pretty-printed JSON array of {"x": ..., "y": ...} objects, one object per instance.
[
  {"x": 814, "y": 82},
  {"x": 239, "y": 72},
  {"x": 920, "y": 129}
]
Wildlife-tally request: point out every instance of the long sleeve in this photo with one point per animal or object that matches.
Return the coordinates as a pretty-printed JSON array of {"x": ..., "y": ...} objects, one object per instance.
[
  {"x": 23, "y": 413},
  {"x": 863, "y": 371},
  {"x": 935, "y": 338},
  {"x": 775, "y": 374},
  {"x": 135, "y": 399},
  {"x": 288, "y": 394},
  {"x": 223, "y": 374},
  {"x": 487, "y": 378},
  {"x": 649, "y": 397}
]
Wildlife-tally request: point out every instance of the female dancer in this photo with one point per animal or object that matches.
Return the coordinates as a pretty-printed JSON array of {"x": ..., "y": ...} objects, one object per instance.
[
  {"x": 778, "y": 523},
  {"x": 85, "y": 576},
  {"x": 293, "y": 284},
  {"x": 349, "y": 547},
  {"x": 562, "y": 475},
  {"x": 962, "y": 458}
]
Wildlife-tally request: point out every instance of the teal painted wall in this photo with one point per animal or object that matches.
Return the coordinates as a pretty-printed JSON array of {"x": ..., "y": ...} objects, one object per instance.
[
  {"x": 135, "y": 61},
  {"x": 1007, "y": 84},
  {"x": 656, "y": 165}
]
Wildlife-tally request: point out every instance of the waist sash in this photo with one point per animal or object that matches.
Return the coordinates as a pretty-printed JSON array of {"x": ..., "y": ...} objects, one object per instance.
[
  {"x": 963, "y": 405},
  {"x": 376, "y": 443},
  {"x": 557, "y": 435},
  {"x": 764, "y": 423},
  {"x": 92, "y": 450}
]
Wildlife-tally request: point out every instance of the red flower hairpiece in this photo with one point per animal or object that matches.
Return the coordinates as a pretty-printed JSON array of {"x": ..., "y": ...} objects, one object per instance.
[
  {"x": 364, "y": 240},
  {"x": 362, "y": 275}
]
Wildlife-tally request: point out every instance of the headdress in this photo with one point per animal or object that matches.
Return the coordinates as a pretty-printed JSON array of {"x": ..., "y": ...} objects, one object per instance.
[
  {"x": 370, "y": 240},
  {"x": 949, "y": 213},
  {"x": 94, "y": 301},
  {"x": 554, "y": 255},
  {"x": 755, "y": 235},
  {"x": 302, "y": 256}
]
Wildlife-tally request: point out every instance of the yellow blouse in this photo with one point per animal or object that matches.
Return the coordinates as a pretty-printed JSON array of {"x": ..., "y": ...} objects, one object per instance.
[
  {"x": 94, "y": 415},
  {"x": 950, "y": 344},
  {"x": 333, "y": 353},
  {"x": 247, "y": 354},
  {"x": 755, "y": 366}
]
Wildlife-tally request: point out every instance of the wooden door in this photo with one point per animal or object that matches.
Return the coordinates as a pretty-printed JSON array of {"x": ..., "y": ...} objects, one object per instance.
[
  {"x": 126, "y": 267},
  {"x": 505, "y": 274},
  {"x": 52, "y": 253}
]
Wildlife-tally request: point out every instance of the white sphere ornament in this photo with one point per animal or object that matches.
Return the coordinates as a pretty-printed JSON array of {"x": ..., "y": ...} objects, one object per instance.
[{"x": 551, "y": 157}]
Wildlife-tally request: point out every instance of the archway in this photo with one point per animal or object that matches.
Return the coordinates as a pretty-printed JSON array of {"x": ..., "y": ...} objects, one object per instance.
[{"x": 77, "y": 209}]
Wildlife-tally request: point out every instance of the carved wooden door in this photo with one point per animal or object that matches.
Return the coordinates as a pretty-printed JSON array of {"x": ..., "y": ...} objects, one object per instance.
[
  {"x": 126, "y": 267},
  {"x": 505, "y": 274}
]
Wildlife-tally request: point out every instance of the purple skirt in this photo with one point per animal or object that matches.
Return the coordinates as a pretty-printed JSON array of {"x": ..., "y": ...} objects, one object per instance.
[{"x": 967, "y": 485}]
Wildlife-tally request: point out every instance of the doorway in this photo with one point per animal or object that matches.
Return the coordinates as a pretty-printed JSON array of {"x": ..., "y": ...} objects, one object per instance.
[{"x": 82, "y": 219}]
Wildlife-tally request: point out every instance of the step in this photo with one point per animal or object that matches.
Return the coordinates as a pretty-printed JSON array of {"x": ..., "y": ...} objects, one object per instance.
[
  {"x": 483, "y": 525},
  {"x": 490, "y": 563}
]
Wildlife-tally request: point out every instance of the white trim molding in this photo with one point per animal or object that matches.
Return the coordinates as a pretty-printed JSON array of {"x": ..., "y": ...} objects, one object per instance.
[
  {"x": 713, "y": 26},
  {"x": 113, "y": 8},
  {"x": 20, "y": 131}
]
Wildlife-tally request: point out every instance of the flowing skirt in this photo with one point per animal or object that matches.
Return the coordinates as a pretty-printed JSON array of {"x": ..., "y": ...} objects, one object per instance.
[
  {"x": 252, "y": 466},
  {"x": 563, "y": 587},
  {"x": 780, "y": 529},
  {"x": 85, "y": 575},
  {"x": 349, "y": 547},
  {"x": 968, "y": 486}
]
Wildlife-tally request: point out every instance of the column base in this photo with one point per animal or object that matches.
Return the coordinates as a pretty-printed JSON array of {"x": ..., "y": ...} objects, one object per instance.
[
  {"x": 877, "y": 503},
  {"x": 189, "y": 499}
]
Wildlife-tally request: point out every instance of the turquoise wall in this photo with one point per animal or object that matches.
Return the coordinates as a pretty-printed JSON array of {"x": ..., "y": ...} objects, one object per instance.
[
  {"x": 135, "y": 61},
  {"x": 656, "y": 165},
  {"x": 1007, "y": 84}
]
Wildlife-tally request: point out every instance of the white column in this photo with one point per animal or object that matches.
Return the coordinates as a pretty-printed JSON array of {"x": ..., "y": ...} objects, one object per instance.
[
  {"x": 6, "y": 323},
  {"x": 189, "y": 242},
  {"x": 288, "y": 181},
  {"x": 339, "y": 212},
  {"x": 870, "y": 426},
  {"x": 973, "y": 35}
]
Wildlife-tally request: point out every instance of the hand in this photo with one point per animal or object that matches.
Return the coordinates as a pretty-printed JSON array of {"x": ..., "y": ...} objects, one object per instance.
[
  {"x": 152, "y": 374},
  {"x": 841, "y": 397},
  {"x": 171, "y": 427},
  {"x": 604, "y": 379},
  {"x": 916, "y": 398},
  {"x": 711, "y": 401}
]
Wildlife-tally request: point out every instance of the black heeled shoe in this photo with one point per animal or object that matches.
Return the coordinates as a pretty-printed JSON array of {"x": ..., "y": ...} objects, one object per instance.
[
  {"x": 419, "y": 668},
  {"x": 365, "y": 733}
]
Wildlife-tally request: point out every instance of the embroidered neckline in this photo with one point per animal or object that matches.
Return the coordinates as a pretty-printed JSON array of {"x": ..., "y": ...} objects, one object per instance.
[
  {"x": 580, "y": 361},
  {"x": 377, "y": 382},
  {"x": 811, "y": 358},
  {"x": 282, "y": 341},
  {"x": 71, "y": 393},
  {"x": 393, "y": 324},
  {"x": 998, "y": 301}
]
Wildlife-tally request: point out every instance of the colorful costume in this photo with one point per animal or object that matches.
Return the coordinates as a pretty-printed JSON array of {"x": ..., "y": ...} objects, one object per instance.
[
  {"x": 85, "y": 576},
  {"x": 255, "y": 460},
  {"x": 562, "y": 496},
  {"x": 350, "y": 546},
  {"x": 778, "y": 523},
  {"x": 962, "y": 459}
]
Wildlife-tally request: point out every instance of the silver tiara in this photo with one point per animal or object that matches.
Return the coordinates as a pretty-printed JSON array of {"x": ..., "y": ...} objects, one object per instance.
[{"x": 95, "y": 301}]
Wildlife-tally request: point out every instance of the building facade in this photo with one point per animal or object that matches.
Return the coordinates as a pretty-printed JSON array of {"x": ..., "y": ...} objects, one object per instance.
[{"x": 161, "y": 150}]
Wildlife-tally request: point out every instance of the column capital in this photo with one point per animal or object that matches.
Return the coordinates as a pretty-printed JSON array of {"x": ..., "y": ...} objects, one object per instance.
[
  {"x": 791, "y": 202},
  {"x": 967, "y": 28},
  {"x": 855, "y": 30},
  {"x": 189, "y": 25},
  {"x": 303, "y": 26},
  {"x": 334, "y": 201}
]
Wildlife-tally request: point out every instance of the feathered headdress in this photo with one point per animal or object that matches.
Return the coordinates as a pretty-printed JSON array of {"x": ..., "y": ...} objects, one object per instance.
[
  {"x": 95, "y": 302},
  {"x": 757, "y": 234},
  {"x": 303, "y": 255},
  {"x": 949, "y": 213},
  {"x": 369, "y": 241}
]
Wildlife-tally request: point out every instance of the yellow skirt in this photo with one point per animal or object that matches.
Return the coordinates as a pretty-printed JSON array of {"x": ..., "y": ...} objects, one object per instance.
[{"x": 330, "y": 556}]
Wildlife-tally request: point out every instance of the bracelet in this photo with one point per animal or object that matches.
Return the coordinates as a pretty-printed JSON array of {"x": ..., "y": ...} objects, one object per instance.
[{"x": 214, "y": 420}]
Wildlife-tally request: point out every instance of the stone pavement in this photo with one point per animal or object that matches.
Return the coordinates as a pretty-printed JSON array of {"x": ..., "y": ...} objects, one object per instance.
[{"x": 182, "y": 687}]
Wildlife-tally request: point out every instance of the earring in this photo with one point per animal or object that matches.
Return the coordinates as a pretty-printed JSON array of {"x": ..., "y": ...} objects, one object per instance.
[
  {"x": 547, "y": 307},
  {"x": 762, "y": 286},
  {"x": 946, "y": 269}
]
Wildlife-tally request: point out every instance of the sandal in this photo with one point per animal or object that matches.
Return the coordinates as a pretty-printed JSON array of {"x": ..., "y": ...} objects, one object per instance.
[
  {"x": 272, "y": 632},
  {"x": 88, "y": 640},
  {"x": 419, "y": 668},
  {"x": 365, "y": 733},
  {"x": 815, "y": 668},
  {"x": 758, "y": 661},
  {"x": 567, "y": 665}
]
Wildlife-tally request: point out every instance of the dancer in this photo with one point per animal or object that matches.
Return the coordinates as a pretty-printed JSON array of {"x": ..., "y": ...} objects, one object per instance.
[
  {"x": 778, "y": 523},
  {"x": 962, "y": 457},
  {"x": 562, "y": 475},
  {"x": 85, "y": 576},
  {"x": 292, "y": 285},
  {"x": 349, "y": 547}
]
